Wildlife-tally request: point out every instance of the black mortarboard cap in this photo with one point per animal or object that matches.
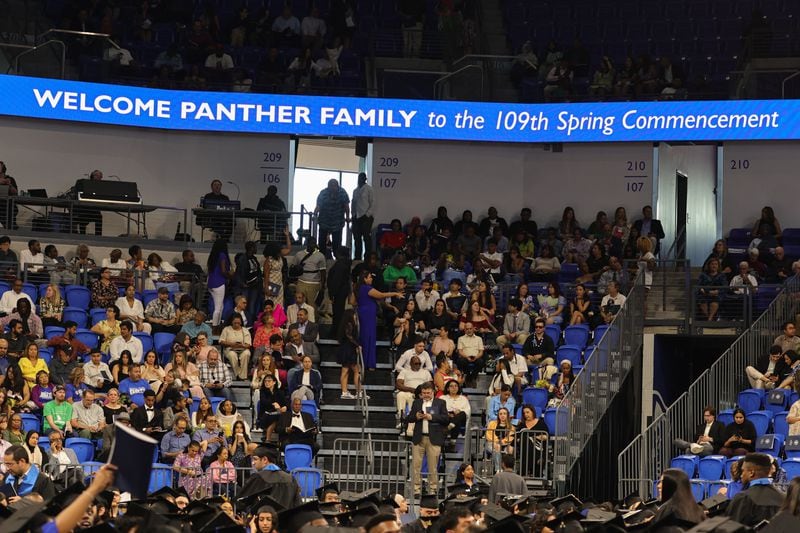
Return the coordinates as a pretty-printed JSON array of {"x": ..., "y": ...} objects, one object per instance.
[
  {"x": 461, "y": 500},
  {"x": 250, "y": 500},
  {"x": 220, "y": 523},
  {"x": 565, "y": 503},
  {"x": 264, "y": 500},
  {"x": 513, "y": 523},
  {"x": 26, "y": 514},
  {"x": 332, "y": 509},
  {"x": 363, "y": 514},
  {"x": 166, "y": 491},
  {"x": 356, "y": 500},
  {"x": 429, "y": 501},
  {"x": 494, "y": 513},
  {"x": 601, "y": 520},
  {"x": 563, "y": 518},
  {"x": 329, "y": 487},
  {"x": 295, "y": 518},
  {"x": 715, "y": 505},
  {"x": 63, "y": 498},
  {"x": 781, "y": 523},
  {"x": 198, "y": 507},
  {"x": 514, "y": 500},
  {"x": 390, "y": 502}
]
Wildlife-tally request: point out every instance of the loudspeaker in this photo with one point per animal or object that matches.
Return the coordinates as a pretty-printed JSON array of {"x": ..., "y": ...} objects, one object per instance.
[{"x": 361, "y": 146}]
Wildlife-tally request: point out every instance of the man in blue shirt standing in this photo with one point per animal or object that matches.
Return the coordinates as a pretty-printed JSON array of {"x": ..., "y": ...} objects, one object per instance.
[
  {"x": 333, "y": 207},
  {"x": 175, "y": 441}
]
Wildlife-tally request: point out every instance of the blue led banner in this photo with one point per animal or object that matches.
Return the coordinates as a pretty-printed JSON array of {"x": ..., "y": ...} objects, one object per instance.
[{"x": 411, "y": 119}]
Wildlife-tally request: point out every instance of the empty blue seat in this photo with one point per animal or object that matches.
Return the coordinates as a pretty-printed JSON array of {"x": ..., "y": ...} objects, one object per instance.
[
  {"x": 577, "y": 336},
  {"x": 53, "y": 331},
  {"x": 728, "y": 463},
  {"x": 146, "y": 339},
  {"x": 535, "y": 396},
  {"x": 698, "y": 490},
  {"x": 557, "y": 420},
  {"x": 771, "y": 444},
  {"x": 46, "y": 354},
  {"x": 572, "y": 353},
  {"x": 792, "y": 447},
  {"x": 31, "y": 290},
  {"x": 75, "y": 314},
  {"x": 554, "y": 332},
  {"x": 792, "y": 467},
  {"x": 599, "y": 331},
  {"x": 89, "y": 338},
  {"x": 750, "y": 400},
  {"x": 711, "y": 467},
  {"x": 687, "y": 463},
  {"x": 215, "y": 401},
  {"x": 83, "y": 448},
  {"x": 31, "y": 422},
  {"x": 309, "y": 479},
  {"x": 761, "y": 420},
  {"x": 78, "y": 296},
  {"x": 777, "y": 401},
  {"x": 310, "y": 407},
  {"x": 160, "y": 477},
  {"x": 297, "y": 456},
  {"x": 779, "y": 423},
  {"x": 726, "y": 417},
  {"x": 97, "y": 314},
  {"x": 569, "y": 273}
]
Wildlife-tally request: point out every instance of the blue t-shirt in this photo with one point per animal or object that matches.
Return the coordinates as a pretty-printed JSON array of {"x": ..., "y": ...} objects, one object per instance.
[
  {"x": 215, "y": 276},
  {"x": 76, "y": 393},
  {"x": 134, "y": 389}
]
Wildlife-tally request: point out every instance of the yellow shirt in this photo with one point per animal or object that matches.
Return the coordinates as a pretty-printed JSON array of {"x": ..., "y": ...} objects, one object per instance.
[{"x": 30, "y": 369}]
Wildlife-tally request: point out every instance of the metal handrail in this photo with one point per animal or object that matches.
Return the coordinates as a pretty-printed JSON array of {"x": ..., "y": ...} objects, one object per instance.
[
  {"x": 32, "y": 49},
  {"x": 675, "y": 242},
  {"x": 438, "y": 83},
  {"x": 783, "y": 83},
  {"x": 106, "y": 36},
  {"x": 469, "y": 57}
]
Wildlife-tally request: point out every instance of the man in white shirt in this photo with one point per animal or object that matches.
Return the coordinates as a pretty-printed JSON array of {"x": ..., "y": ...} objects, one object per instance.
[
  {"x": 406, "y": 384},
  {"x": 493, "y": 260},
  {"x": 313, "y": 29},
  {"x": 126, "y": 341},
  {"x": 309, "y": 330},
  {"x": 299, "y": 303},
  {"x": 426, "y": 297},
  {"x": 516, "y": 376},
  {"x": 612, "y": 302},
  {"x": 8, "y": 302},
  {"x": 470, "y": 354},
  {"x": 32, "y": 257},
  {"x": 219, "y": 60},
  {"x": 312, "y": 281},
  {"x": 96, "y": 373},
  {"x": 743, "y": 279},
  {"x": 115, "y": 262},
  {"x": 404, "y": 361},
  {"x": 286, "y": 25},
  {"x": 362, "y": 212},
  {"x": 516, "y": 325}
]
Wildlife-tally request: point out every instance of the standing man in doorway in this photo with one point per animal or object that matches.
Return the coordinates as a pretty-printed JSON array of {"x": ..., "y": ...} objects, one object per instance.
[
  {"x": 650, "y": 228},
  {"x": 332, "y": 211},
  {"x": 363, "y": 207}
]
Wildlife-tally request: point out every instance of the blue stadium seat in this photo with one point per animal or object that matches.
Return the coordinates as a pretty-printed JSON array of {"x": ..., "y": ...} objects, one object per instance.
[
  {"x": 792, "y": 447},
  {"x": 569, "y": 273},
  {"x": 78, "y": 296},
  {"x": 147, "y": 340},
  {"x": 577, "y": 335},
  {"x": 779, "y": 423},
  {"x": 711, "y": 467},
  {"x": 739, "y": 237},
  {"x": 309, "y": 479},
  {"x": 792, "y": 467},
  {"x": 97, "y": 314},
  {"x": 31, "y": 290},
  {"x": 46, "y": 354},
  {"x": 554, "y": 332},
  {"x": 573, "y": 353},
  {"x": 726, "y": 417},
  {"x": 535, "y": 396},
  {"x": 52, "y": 331},
  {"x": 31, "y": 422},
  {"x": 163, "y": 345},
  {"x": 761, "y": 420},
  {"x": 790, "y": 236},
  {"x": 215, "y": 401},
  {"x": 75, "y": 314},
  {"x": 715, "y": 486},
  {"x": 777, "y": 401},
  {"x": 310, "y": 407},
  {"x": 44, "y": 442},
  {"x": 160, "y": 477},
  {"x": 148, "y": 295},
  {"x": 728, "y": 463},
  {"x": 699, "y": 490},
  {"x": 297, "y": 456},
  {"x": 557, "y": 420},
  {"x": 83, "y": 448},
  {"x": 750, "y": 400},
  {"x": 599, "y": 331},
  {"x": 771, "y": 444},
  {"x": 89, "y": 338},
  {"x": 687, "y": 463}
]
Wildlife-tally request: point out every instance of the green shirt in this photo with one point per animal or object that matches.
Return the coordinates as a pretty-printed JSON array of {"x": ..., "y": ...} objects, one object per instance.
[
  {"x": 61, "y": 415},
  {"x": 391, "y": 274}
]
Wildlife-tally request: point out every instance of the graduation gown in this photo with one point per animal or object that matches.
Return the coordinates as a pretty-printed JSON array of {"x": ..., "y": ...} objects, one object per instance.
[
  {"x": 757, "y": 503},
  {"x": 279, "y": 485}
]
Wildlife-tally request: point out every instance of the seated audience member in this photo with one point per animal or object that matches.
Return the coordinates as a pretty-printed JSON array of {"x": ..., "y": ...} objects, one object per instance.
[
  {"x": 148, "y": 417},
  {"x": 454, "y": 299},
  {"x": 237, "y": 343},
  {"x": 711, "y": 282},
  {"x": 769, "y": 370},
  {"x": 178, "y": 409},
  {"x": 492, "y": 260},
  {"x": 789, "y": 339},
  {"x": 32, "y": 261},
  {"x": 516, "y": 325},
  {"x": 394, "y": 306},
  {"x": 295, "y": 426},
  {"x": 792, "y": 359},
  {"x": 408, "y": 379},
  {"x": 426, "y": 296},
  {"x": 539, "y": 349},
  {"x": 126, "y": 341},
  {"x": 219, "y": 60},
  {"x": 418, "y": 350},
  {"x": 612, "y": 302},
  {"x": 51, "y": 306},
  {"x": 470, "y": 353},
  {"x": 297, "y": 347},
  {"x": 781, "y": 267},
  {"x": 88, "y": 418},
  {"x": 61, "y": 367},
  {"x": 176, "y": 440},
  {"x": 308, "y": 329},
  {"x": 210, "y": 437},
  {"x": 757, "y": 266},
  {"x": 615, "y": 272},
  {"x": 196, "y": 325},
  {"x": 305, "y": 382},
  {"x": 760, "y": 500},
  {"x": 215, "y": 377},
  {"x": 739, "y": 437},
  {"x": 82, "y": 265},
  {"x": 160, "y": 313},
  {"x": 57, "y": 413},
  {"x": 576, "y": 249},
  {"x": 131, "y": 309},
  {"x": 546, "y": 265},
  {"x": 708, "y": 438},
  {"x": 392, "y": 241},
  {"x": 97, "y": 374},
  {"x": 16, "y": 339},
  {"x": 63, "y": 465},
  {"x": 108, "y": 328},
  {"x": 158, "y": 271},
  {"x": 469, "y": 244},
  {"x": 500, "y": 435},
  {"x": 135, "y": 387},
  {"x": 458, "y": 408},
  {"x": 114, "y": 262},
  {"x": 277, "y": 313},
  {"x": 503, "y": 400},
  {"x": 32, "y": 327},
  {"x": 743, "y": 279},
  {"x": 299, "y": 303},
  {"x": 8, "y": 257},
  {"x": 398, "y": 268},
  {"x": 514, "y": 370},
  {"x": 56, "y": 267},
  {"x": 552, "y": 305},
  {"x": 42, "y": 392},
  {"x": 8, "y": 302},
  {"x": 104, "y": 292}
]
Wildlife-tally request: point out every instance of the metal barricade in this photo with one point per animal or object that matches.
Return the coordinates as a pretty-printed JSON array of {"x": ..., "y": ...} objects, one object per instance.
[
  {"x": 64, "y": 475},
  {"x": 651, "y": 452},
  {"x": 361, "y": 464},
  {"x": 475, "y": 452},
  {"x": 715, "y": 306},
  {"x": 531, "y": 451},
  {"x": 573, "y": 422}
]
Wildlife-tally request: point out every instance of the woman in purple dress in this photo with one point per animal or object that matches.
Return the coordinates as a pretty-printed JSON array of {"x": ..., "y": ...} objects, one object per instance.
[{"x": 367, "y": 300}]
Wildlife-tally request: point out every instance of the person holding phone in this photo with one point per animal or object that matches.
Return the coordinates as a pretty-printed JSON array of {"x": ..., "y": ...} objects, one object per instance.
[{"x": 430, "y": 419}]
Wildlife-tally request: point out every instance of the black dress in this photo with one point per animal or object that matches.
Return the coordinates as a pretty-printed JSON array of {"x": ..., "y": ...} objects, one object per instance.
[
  {"x": 532, "y": 451},
  {"x": 347, "y": 355},
  {"x": 266, "y": 411}
]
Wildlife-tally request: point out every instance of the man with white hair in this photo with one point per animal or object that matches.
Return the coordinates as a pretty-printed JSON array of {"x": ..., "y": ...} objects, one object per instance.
[{"x": 743, "y": 279}]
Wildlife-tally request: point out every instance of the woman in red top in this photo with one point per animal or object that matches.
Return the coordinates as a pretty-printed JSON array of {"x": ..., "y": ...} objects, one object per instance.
[
  {"x": 393, "y": 240},
  {"x": 475, "y": 314}
]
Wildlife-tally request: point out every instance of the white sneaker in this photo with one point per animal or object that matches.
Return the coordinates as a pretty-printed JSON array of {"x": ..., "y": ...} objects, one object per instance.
[
  {"x": 347, "y": 396},
  {"x": 362, "y": 394}
]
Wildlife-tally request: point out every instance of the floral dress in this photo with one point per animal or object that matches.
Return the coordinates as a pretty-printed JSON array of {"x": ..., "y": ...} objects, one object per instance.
[{"x": 196, "y": 485}]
